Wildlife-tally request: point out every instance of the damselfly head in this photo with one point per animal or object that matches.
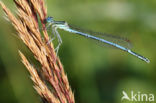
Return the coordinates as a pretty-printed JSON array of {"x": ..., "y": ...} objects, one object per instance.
[{"x": 49, "y": 20}]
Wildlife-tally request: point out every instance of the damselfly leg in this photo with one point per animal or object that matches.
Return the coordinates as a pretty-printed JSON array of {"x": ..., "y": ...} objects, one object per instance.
[{"x": 55, "y": 35}]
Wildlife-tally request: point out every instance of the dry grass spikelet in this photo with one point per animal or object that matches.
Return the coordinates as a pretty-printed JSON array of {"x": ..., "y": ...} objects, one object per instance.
[{"x": 29, "y": 13}]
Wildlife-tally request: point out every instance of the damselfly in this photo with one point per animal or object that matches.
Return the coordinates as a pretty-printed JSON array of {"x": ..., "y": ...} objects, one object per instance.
[{"x": 64, "y": 26}]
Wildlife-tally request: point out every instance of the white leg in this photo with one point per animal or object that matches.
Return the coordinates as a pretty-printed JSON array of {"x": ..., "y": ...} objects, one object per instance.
[
  {"x": 59, "y": 40},
  {"x": 56, "y": 34},
  {"x": 53, "y": 34}
]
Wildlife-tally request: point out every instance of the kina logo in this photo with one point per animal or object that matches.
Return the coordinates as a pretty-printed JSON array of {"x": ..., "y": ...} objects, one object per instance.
[{"x": 137, "y": 97}]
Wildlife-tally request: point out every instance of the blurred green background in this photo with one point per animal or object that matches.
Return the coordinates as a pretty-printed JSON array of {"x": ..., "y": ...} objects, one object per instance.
[{"x": 96, "y": 74}]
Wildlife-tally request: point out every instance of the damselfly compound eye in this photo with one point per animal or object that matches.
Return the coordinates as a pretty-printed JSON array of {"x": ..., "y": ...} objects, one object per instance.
[{"x": 49, "y": 20}]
